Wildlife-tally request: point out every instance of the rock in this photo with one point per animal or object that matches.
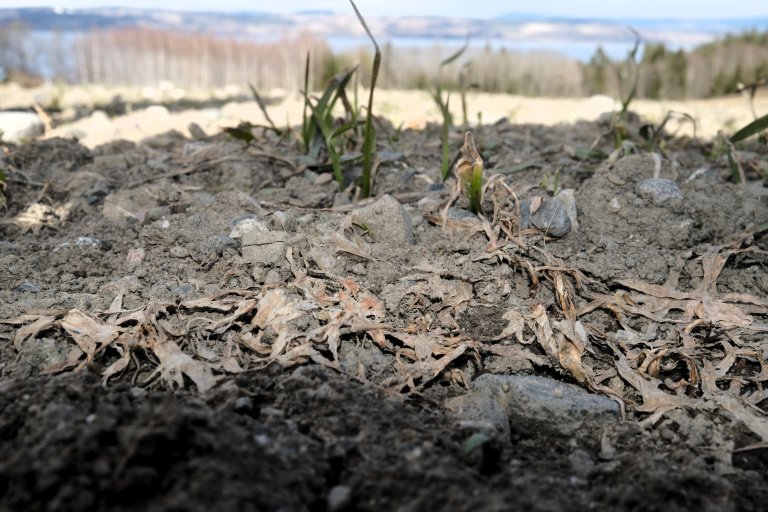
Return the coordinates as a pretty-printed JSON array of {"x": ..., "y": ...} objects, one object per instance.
[
  {"x": 659, "y": 191},
  {"x": 178, "y": 251},
  {"x": 339, "y": 498},
  {"x": 243, "y": 404},
  {"x": 28, "y": 287},
  {"x": 553, "y": 216},
  {"x": 528, "y": 404},
  {"x": 440, "y": 188},
  {"x": 387, "y": 221},
  {"x": 265, "y": 247},
  {"x": 196, "y": 132},
  {"x": 567, "y": 198},
  {"x": 390, "y": 156},
  {"x": 183, "y": 289},
  {"x": 18, "y": 127}
]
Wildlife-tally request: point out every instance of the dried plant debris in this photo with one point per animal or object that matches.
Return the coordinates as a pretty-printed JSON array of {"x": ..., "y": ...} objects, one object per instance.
[{"x": 203, "y": 265}]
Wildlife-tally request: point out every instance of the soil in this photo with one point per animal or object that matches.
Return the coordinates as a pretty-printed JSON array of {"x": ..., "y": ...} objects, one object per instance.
[{"x": 207, "y": 325}]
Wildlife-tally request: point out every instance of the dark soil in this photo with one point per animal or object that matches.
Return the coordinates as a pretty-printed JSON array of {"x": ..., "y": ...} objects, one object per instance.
[{"x": 197, "y": 325}]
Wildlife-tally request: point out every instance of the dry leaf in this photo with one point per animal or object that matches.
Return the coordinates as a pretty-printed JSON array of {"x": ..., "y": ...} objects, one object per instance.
[
  {"x": 32, "y": 330},
  {"x": 543, "y": 330},
  {"x": 515, "y": 325},
  {"x": 89, "y": 334},
  {"x": 174, "y": 363}
]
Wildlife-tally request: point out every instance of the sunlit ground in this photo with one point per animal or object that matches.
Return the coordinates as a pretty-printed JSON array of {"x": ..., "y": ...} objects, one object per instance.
[{"x": 411, "y": 109}]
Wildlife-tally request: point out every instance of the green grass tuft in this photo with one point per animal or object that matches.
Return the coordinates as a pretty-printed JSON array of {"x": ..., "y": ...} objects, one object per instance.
[{"x": 369, "y": 138}]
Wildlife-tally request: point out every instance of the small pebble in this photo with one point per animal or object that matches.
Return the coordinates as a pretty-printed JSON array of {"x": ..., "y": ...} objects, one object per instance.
[
  {"x": 659, "y": 190},
  {"x": 179, "y": 252},
  {"x": 28, "y": 287},
  {"x": 243, "y": 404},
  {"x": 339, "y": 498}
]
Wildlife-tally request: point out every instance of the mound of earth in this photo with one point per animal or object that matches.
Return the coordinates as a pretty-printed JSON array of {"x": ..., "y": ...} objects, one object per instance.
[{"x": 207, "y": 325}]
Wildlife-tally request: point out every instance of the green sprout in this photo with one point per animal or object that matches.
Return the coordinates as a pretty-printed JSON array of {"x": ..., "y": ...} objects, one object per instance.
[
  {"x": 757, "y": 126},
  {"x": 2, "y": 188},
  {"x": 445, "y": 111},
  {"x": 321, "y": 125},
  {"x": 306, "y": 125},
  {"x": 634, "y": 74},
  {"x": 469, "y": 170},
  {"x": 369, "y": 139}
]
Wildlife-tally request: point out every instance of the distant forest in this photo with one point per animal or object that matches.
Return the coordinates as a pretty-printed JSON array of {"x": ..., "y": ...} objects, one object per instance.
[{"x": 139, "y": 56}]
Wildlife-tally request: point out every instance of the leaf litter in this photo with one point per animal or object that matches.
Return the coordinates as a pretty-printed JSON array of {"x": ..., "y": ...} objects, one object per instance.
[
  {"x": 673, "y": 348},
  {"x": 310, "y": 318}
]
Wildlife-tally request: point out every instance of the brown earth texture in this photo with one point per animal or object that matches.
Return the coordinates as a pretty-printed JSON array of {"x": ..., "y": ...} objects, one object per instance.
[{"x": 205, "y": 324}]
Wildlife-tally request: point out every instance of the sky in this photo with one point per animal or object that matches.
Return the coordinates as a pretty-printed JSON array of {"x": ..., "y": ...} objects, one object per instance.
[{"x": 606, "y": 9}]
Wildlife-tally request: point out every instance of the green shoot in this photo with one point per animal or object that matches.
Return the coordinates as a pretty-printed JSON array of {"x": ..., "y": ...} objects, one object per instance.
[
  {"x": 321, "y": 125},
  {"x": 445, "y": 111},
  {"x": 242, "y": 132},
  {"x": 737, "y": 171},
  {"x": 469, "y": 170},
  {"x": 633, "y": 74},
  {"x": 2, "y": 188},
  {"x": 751, "y": 89},
  {"x": 306, "y": 125},
  {"x": 263, "y": 108},
  {"x": 463, "y": 90},
  {"x": 653, "y": 133},
  {"x": 753, "y": 128},
  {"x": 553, "y": 187},
  {"x": 369, "y": 140}
]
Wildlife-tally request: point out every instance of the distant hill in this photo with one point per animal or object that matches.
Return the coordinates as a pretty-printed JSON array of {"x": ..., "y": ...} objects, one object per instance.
[{"x": 261, "y": 25}]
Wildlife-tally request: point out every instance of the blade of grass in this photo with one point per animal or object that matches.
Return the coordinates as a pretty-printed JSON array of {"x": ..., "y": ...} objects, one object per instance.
[
  {"x": 445, "y": 111},
  {"x": 469, "y": 170},
  {"x": 306, "y": 125},
  {"x": 263, "y": 108},
  {"x": 631, "y": 62},
  {"x": 369, "y": 139},
  {"x": 753, "y": 128}
]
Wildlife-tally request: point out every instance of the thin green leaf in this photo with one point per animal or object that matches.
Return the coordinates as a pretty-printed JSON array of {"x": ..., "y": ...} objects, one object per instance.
[
  {"x": 343, "y": 129},
  {"x": 475, "y": 192},
  {"x": 306, "y": 125},
  {"x": 455, "y": 55},
  {"x": 369, "y": 140},
  {"x": 753, "y": 128},
  {"x": 263, "y": 108},
  {"x": 241, "y": 133}
]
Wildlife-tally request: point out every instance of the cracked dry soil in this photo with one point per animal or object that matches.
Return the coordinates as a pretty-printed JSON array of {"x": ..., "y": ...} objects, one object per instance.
[{"x": 196, "y": 325}]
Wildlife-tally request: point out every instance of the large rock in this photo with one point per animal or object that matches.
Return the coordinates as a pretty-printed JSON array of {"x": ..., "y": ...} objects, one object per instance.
[
  {"x": 552, "y": 217},
  {"x": 501, "y": 404},
  {"x": 387, "y": 221},
  {"x": 18, "y": 127}
]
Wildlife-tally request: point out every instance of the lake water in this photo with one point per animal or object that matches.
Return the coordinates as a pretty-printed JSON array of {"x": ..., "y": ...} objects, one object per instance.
[{"x": 579, "y": 50}]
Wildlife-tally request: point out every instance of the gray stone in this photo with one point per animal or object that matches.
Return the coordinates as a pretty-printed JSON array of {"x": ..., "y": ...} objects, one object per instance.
[
  {"x": 567, "y": 198},
  {"x": 659, "y": 191},
  {"x": 390, "y": 156},
  {"x": 265, "y": 247},
  {"x": 387, "y": 221},
  {"x": 500, "y": 403},
  {"x": 178, "y": 251},
  {"x": 243, "y": 404},
  {"x": 183, "y": 289},
  {"x": 553, "y": 217},
  {"x": 339, "y": 498},
  {"x": 18, "y": 127},
  {"x": 437, "y": 187},
  {"x": 28, "y": 287}
]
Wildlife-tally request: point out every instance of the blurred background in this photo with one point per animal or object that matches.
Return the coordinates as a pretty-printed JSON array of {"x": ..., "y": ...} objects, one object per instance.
[
  {"x": 99, "y": 73},
  {"x": 685, "y": 49}
]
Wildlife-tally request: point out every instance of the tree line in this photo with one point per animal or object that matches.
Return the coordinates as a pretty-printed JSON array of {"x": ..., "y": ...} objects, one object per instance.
[{"x": 143, "y": 56}]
